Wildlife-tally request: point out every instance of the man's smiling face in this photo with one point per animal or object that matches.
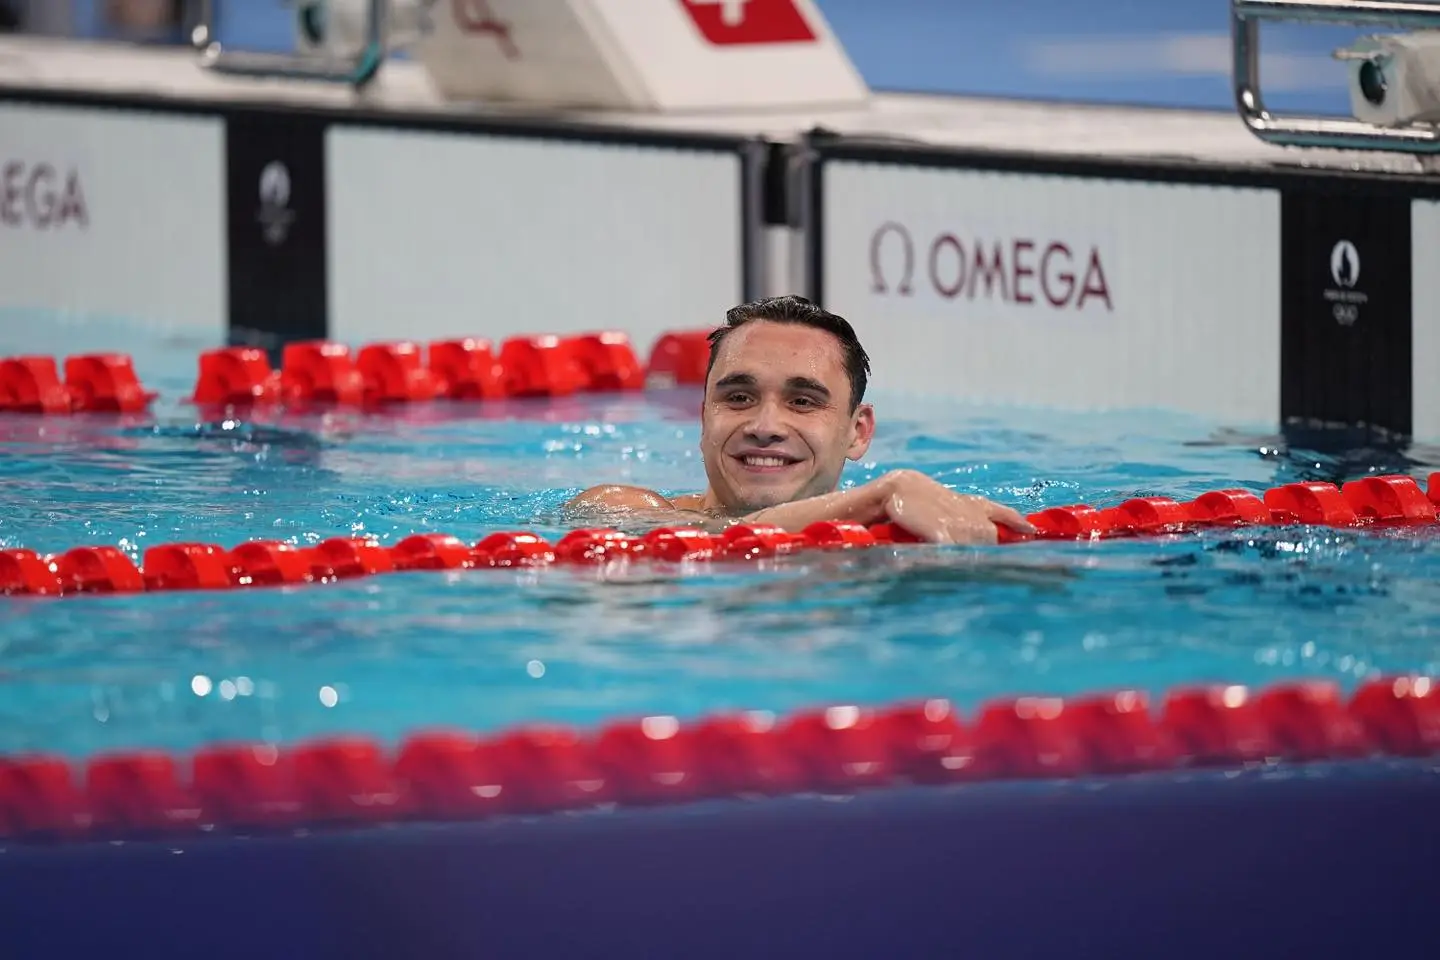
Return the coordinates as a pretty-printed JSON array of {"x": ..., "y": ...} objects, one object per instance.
[{"x": 777, "y": 423}]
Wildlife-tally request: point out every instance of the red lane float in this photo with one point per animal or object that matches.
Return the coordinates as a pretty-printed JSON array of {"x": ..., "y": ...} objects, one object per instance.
[
  {"x": 1313, "y": 503},
  {"x": 105, "y": 383},
  {"x": 594, "y": 546},
  {"x": 446, "y": 775},
  {"x": 138, "y": 794},
  {"x": 752, "y": 541},
  {"x": 890, "y": 533},
  {"x": 269, "y": 563},
  {"x": 93, "y": 383},
  {"x": 1218, "y": 725},
  {"x": 236, "y": 376},
  {"x": 1384, "y": 501},
  {"x": 324, "y": 373},
  {"x": 838, "y": 535},
  {"x": 98, "y": 570},
  {"x": 449, "y": 775},
  {"x": 1400, "y": 716},
  {"x": 928, "y": 742},
  {"x": 513, "y": 550},
  {"x": 1229, "y": 507},
  {"x": 467, "y": 369},
  {"x": 343, "y": 558},
  {"x": 607, "y": 362},
  {"x": 320, "y": 372},
  {"x": 432, "y": 551},
  {"x": 680, "y": 359},
  {"x": 1397, "y": 499},
  {"x": 648, "y": 761},
  {"x": 678, "y": 544},
  {"x": 41, "y": 797},
  {"x": 25, "y": 571},
  {"x": 1148, "y": 515},
  {"x": 540, "y": 367},
  {"x": 545, "y": 767},
  {"x": 744, "y": 754},
  {"x": 343, "y": 780},
  {"x": 1077, "y": 522},
  {"x": 395, "y": 373},
  {"x": 250, "y": 786},
  {"x": 839, "y": 748},
  {"x": 33, "y": 385},
  {"x": 187, "y": 566}
]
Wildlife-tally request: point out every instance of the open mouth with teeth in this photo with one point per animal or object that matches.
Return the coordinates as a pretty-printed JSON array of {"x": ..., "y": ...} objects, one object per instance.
[{"x": 765, "y": 462}]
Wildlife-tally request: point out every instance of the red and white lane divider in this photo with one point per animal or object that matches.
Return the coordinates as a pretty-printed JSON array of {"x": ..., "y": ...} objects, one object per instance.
[
  {"x": 449, "y": 775},
  {"x": 322, "y": 373}
]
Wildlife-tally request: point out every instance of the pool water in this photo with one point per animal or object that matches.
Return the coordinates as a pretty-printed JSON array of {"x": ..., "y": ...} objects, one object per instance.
[{"x": 489, "y": 648}]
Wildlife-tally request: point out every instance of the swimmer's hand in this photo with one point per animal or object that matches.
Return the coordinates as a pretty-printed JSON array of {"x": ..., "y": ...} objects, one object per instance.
[
  {"x": 909, "y": 499},
  {"x": 937, "y": 514}
]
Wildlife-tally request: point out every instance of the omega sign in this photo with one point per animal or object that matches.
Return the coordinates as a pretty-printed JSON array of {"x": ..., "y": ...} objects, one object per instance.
[
  {"x": 37, "y": 195},
  {"x": 1018, "y": 270}
]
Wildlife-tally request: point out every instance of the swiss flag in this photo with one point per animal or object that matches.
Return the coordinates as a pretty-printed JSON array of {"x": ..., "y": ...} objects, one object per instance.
[{"x": 747, "y": 22}]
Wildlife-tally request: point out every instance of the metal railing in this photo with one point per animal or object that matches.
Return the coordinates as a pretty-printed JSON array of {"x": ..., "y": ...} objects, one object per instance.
[
  {"x": 1320, "y": 131},
  {"x": 357, "y": 69}
]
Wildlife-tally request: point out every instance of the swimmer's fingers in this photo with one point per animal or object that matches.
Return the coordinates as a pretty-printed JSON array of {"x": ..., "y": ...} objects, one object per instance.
[
  {"x": 1003, "y": 515},
  {"x": 1011, "y": 518}
]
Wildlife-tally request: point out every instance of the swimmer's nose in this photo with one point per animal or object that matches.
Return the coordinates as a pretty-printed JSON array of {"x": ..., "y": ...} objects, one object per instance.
[{"x": 767, "y": 426}]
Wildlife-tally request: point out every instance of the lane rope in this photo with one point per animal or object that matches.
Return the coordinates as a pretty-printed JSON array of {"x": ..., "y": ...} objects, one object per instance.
[
  {"x": 1380, "y": 502},
  {"x": 449, "y": 775},
  {"x": 320, "y": 373}
]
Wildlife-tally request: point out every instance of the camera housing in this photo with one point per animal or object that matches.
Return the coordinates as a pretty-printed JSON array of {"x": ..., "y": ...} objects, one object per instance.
[{"x": 1395, "y": 79}]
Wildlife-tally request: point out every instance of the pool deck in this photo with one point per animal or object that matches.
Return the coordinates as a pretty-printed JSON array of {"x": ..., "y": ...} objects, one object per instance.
[{"x": 1203, "y": 137}]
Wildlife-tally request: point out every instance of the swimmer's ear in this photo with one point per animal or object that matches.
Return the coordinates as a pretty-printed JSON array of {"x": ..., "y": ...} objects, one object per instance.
[{"x": 863, "y": 422}]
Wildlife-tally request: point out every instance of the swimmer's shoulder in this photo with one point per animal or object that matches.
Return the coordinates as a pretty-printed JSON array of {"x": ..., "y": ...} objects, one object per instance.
[{"x": 619, "y": 496}]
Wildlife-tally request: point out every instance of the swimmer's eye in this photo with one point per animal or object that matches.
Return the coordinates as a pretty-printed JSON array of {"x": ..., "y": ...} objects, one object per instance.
[
  {"x": 806, "y": 401},
  {"x": 736, "y": 397}
]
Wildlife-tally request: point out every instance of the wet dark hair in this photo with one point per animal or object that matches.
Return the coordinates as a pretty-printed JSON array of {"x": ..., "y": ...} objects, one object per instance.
[{"x": 794, "y": 309}]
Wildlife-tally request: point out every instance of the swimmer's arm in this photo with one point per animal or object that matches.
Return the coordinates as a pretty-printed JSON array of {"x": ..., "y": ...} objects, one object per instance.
[
  {"x": 920, "y": 504},
  {"x": 611, "y": 503},
  {"x": 863, "y": 504}
]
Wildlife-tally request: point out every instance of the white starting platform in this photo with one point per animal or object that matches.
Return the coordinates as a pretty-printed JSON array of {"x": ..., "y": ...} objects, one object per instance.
[{"x": 644, "y": 164}]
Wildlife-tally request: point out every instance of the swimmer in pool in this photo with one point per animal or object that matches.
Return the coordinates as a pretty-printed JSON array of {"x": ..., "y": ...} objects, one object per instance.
[{"x": 783, "y": 410}]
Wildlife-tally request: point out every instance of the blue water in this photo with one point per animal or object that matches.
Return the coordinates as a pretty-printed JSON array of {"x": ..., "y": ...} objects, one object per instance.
[
  {"x": 1172, "y": 53},
  {"x": 484, "y": 649}
]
